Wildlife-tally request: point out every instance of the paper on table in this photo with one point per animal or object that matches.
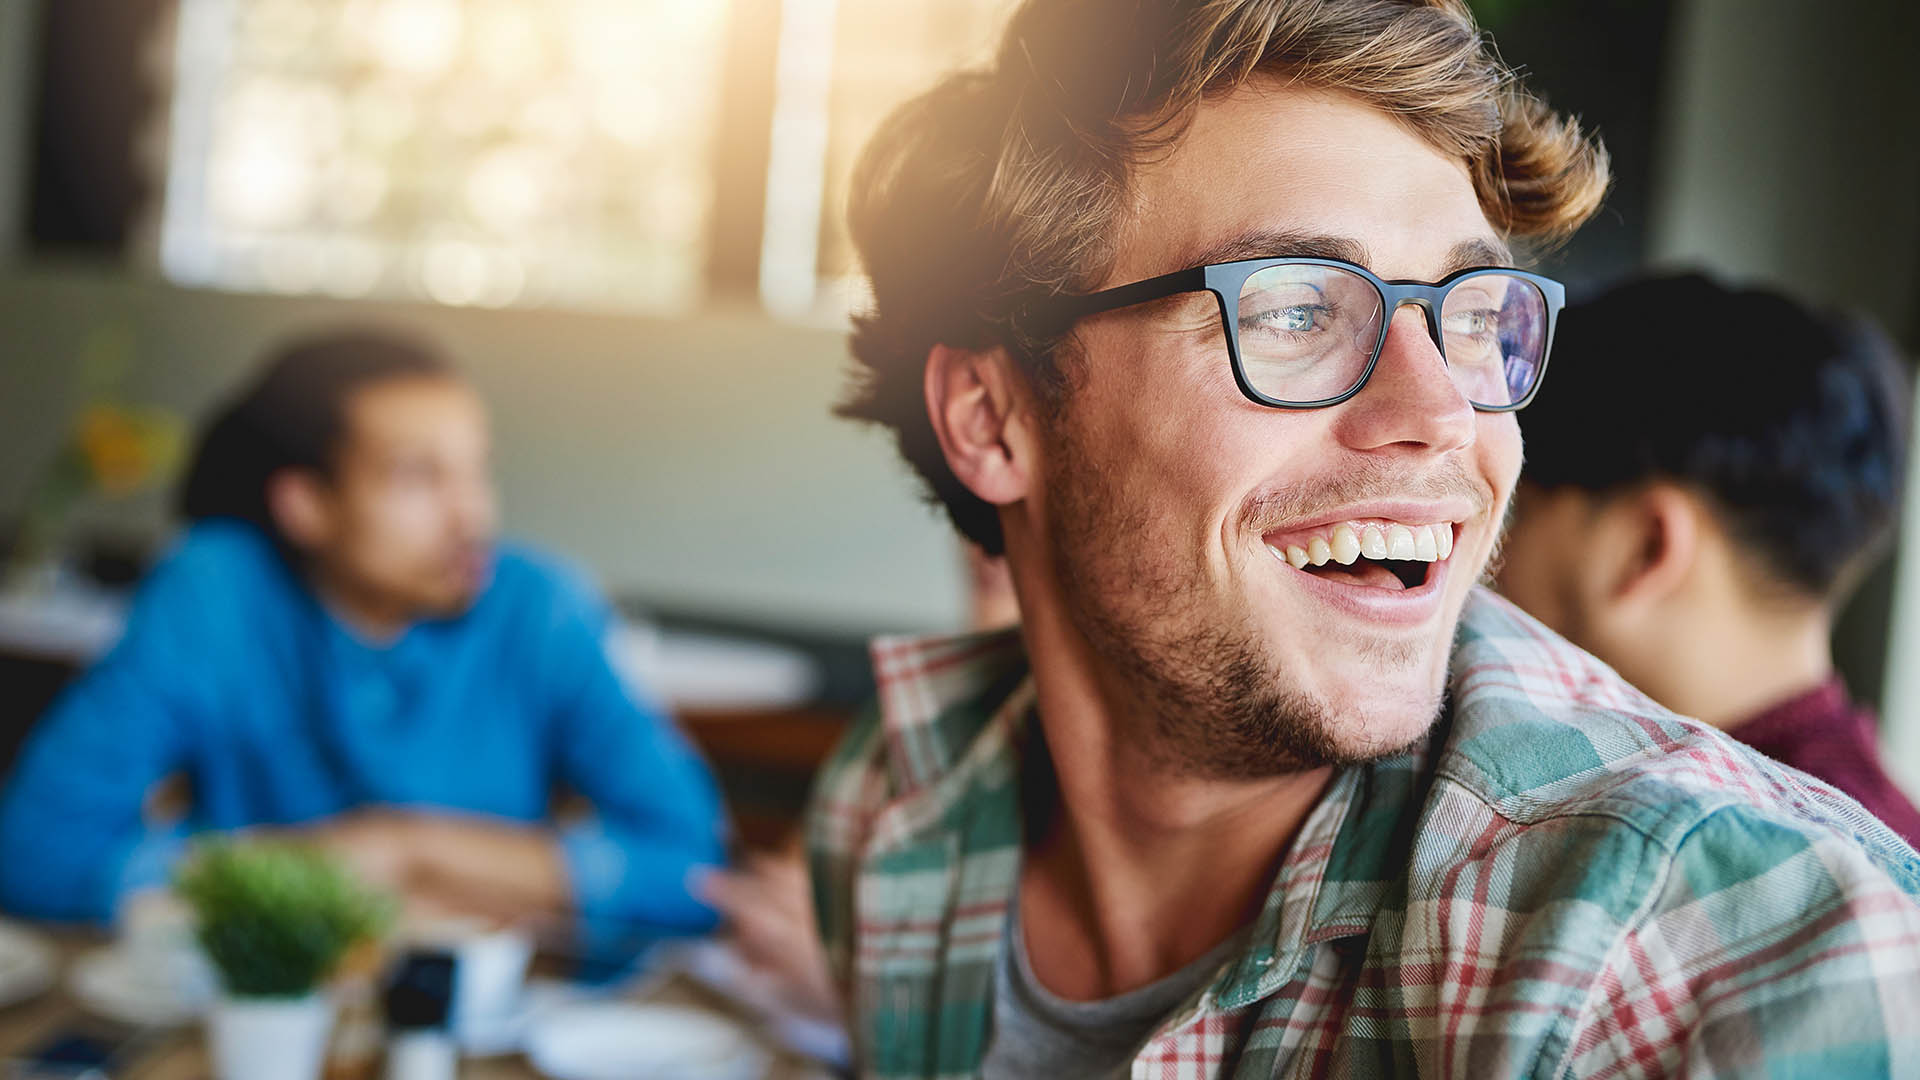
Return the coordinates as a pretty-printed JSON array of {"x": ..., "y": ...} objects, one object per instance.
[{"x": 718, "y": 966}]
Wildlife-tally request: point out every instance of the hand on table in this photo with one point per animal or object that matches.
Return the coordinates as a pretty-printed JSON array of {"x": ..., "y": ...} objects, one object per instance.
[
  {"x": 378, "y": 845},
  {"x": 768, "y": 907},
  {"x": 443, "y": 864}
]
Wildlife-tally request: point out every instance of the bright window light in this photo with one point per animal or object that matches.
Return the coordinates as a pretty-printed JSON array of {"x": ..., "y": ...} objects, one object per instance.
[{"x": 483, "y": 152}]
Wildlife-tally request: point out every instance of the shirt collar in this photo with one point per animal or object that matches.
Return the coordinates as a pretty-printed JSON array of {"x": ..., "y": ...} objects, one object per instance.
[
  {"x": 1821, "y": 713},
  {"x": 936, "y": 694}
]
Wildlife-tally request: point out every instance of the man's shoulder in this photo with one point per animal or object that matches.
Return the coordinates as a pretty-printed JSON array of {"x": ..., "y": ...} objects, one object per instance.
[
  {"x": 528, "y": 580},
  {"x": 219, "y": 547},
  {"x": 1631, "y": 876},
  {"x": 934, "y": 698},
  {"x": 221, "y": 572},
  {"x": 1544, "y": 735},
  {"x": 936, "y": 737}
]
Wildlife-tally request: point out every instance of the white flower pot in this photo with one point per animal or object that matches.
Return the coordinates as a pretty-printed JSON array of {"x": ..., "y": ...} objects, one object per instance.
[{"x": 270, "y": 1038}]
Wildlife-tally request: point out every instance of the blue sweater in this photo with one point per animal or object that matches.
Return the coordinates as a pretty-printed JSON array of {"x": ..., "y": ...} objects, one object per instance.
[{"x": 231, "y": 672}]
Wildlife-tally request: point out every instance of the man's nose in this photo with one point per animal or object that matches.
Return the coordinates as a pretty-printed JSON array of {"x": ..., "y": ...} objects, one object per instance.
[{"x": 1410, "y": 400}]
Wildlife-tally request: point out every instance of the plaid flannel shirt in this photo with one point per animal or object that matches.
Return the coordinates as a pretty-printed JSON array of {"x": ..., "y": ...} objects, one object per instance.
[{"x": 1565, "y": 880}]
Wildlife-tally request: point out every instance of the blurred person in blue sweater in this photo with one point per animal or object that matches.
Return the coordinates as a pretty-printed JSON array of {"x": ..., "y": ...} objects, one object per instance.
[{"x": 337, "y": 647}]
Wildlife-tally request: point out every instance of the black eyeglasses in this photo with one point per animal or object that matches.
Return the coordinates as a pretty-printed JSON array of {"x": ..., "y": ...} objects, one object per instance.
[{"x": 1306, "y": 333}]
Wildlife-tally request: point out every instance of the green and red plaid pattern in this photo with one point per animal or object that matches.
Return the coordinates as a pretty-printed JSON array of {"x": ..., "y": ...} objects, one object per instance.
[{"x": 1564, "y": 880}]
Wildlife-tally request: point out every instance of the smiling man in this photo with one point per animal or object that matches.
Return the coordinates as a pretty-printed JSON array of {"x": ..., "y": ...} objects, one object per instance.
[{"x": 1203, "y": 313}]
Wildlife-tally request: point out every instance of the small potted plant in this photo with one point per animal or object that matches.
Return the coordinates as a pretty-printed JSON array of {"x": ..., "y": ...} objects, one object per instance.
[{"x": 275, "y": 919}]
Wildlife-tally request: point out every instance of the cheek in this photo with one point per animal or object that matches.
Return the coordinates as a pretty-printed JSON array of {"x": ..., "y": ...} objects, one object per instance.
[
  {"x": 397, "y": 523},
  {"x": 1500, "y": 454},
  {"x": 1161, "y": 428}
]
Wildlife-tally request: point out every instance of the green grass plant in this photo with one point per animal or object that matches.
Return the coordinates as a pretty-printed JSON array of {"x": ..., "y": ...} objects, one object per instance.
[{"x": 274, "y": 917}]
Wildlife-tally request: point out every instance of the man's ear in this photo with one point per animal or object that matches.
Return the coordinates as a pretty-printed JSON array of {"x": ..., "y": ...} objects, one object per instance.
[
  {"x": 977, "y": 405},
  {"x": 300, "y": 508},
  {"x": 1665, "y": 525}
]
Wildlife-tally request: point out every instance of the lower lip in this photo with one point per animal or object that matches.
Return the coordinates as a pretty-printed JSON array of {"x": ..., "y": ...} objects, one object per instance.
[{"x": 1388, "y": 607}]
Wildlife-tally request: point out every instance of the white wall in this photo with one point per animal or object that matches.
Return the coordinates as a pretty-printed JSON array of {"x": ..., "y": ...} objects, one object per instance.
[{"x": 693, "y": 463}]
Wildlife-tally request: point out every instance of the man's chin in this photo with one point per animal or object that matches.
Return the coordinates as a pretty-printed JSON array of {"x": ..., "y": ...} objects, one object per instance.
[
  {"x": 1370, "y": 709},
  {"x": 463, "y": 603},
  {"x": 451, "y": 602},
  {"x": 1382, "y": 729}
]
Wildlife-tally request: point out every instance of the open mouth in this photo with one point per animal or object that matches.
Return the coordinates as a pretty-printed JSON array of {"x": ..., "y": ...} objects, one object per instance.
[{"x": 1371, "y": 554}]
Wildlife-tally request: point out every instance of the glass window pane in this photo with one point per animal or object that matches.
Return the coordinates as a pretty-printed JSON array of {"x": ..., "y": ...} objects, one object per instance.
[
  {"x": 882, "y": 53},
  {"x": 484, "y": 152}
]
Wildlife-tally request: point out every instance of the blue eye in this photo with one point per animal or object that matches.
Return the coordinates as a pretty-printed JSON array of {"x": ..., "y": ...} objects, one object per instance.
[
  {"x": 1297, "y": 319},
  {"x": 1472, "y": 323}
]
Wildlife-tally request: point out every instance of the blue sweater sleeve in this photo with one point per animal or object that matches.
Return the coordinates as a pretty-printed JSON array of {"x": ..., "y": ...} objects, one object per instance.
[
  {"x": 72, "y": 835},
  {"x": 657, "y": 811}
]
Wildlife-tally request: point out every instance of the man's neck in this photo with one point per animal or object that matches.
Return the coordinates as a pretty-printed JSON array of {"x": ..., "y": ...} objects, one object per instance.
[
  {"x": 1135, "y": 870},
  {"x": 365, "y": 617},
  {"x": 1762, "y": 662}
]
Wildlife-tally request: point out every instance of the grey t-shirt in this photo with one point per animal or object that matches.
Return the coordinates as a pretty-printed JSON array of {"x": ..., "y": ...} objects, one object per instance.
[{"x": 1038, "y": 1035}]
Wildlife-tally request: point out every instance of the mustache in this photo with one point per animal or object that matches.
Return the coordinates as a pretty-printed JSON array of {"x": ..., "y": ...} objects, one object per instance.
[{"x": 1270, "y": 508}]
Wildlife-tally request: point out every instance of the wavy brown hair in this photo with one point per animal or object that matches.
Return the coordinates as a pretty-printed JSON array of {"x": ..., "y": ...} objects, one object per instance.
[{"x": 1006, "y": 183}]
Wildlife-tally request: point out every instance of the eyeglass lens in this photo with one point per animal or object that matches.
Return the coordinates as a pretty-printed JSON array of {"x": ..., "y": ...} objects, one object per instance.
[{"x": 1307, "y": 331}]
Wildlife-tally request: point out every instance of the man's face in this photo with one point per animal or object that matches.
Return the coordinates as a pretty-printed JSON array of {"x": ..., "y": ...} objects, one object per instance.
[
  {"x": 409, "y": 513},
  {"x": 1168, "y": 498}
]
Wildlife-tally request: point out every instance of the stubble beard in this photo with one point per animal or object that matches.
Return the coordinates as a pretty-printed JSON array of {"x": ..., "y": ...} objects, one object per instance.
[{"x": 1212, "y": 702}]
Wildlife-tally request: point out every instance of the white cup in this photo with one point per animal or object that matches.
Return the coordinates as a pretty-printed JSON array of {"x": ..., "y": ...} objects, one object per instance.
[
  {"x": 489, "y": 972},
  {"x": 489, "y": 975},
  {"x": 156, "y": 937}
]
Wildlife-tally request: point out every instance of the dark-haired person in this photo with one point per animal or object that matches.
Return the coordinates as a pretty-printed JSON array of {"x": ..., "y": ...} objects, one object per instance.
[
  {"x": 1708, "y": 478},
  {"x": 338, "y": 645},
  {"x": 1203, "y": 313}
]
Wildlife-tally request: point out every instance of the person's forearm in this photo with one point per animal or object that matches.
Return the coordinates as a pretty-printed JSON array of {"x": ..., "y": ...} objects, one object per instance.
[{"x": 511, "y": 872}]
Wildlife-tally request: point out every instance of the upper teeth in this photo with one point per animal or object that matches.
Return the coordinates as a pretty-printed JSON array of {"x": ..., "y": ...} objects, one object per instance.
[{"x": 1349, "y": 541}]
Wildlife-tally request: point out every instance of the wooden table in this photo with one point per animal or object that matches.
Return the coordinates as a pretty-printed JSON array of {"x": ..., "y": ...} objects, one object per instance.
[{"x": 180, "y": 1054}]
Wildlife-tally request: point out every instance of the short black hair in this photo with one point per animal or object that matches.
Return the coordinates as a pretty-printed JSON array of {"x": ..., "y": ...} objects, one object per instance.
[
  {"x": 292, "y": 415},
  {"x": 1792, "y": 421}
]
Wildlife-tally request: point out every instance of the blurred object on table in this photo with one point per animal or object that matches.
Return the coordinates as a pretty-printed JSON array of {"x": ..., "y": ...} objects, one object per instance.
[
  {"x": 115, "y": 983},
  {"x": 181, "y": 1053},
  {"x": 276, "y": 920},
  {"x": 27, "y": 964},
  {"x": 719, "y": 966},
  {"x": 697, "y": 670},
  {"x": 489, "y": 977},
  {"x": 417, "y": 1002},
  {"x": 623, "y": 1040},
  {"x": 154, "y": 973}
]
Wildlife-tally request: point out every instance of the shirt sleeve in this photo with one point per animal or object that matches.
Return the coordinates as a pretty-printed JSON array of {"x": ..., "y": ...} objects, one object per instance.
[
  {"x": 72, "y": 835},
  {"x": 657, "y": 813},
  {"x": 1769, "y": 950}
]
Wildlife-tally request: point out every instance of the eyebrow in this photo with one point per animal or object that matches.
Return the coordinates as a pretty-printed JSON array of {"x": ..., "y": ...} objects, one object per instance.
[
  {"x": 1275, "y": 244},
  {"x": 1280, "y": 244},
  {"x": 1468, "y": 254}
]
